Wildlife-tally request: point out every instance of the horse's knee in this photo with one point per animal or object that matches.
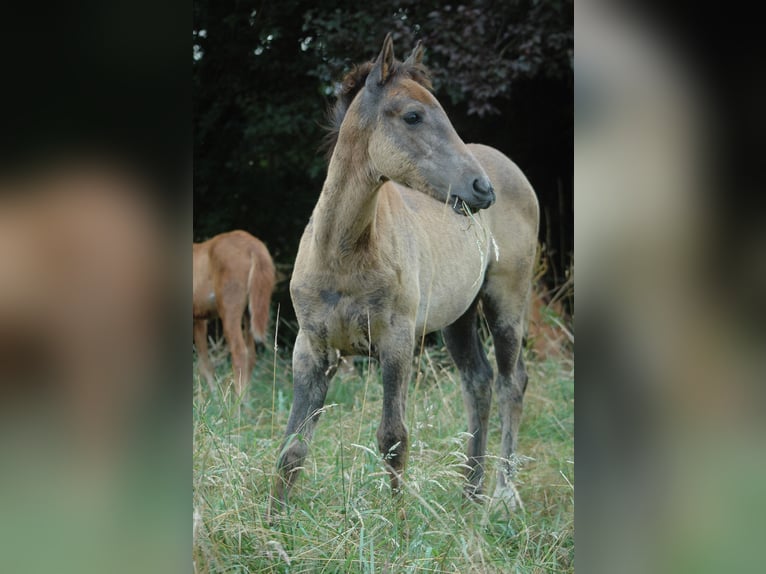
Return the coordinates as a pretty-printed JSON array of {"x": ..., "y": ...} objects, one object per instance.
[
  {"x": 520, "y": 375},
  {"x": 510, "y": 391},
  {"x": 512, "y": 386},
  {"x": 518, "y": 384},
  {"x": 479, "y": 390},
  {"x": 521, "y": 381}
]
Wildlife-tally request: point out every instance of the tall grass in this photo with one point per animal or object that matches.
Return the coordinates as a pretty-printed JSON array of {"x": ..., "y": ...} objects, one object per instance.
[{"x": 341, "y": 516}]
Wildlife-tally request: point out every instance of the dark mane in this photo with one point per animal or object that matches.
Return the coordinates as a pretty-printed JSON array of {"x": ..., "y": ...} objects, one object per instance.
[{"x": 349, "y": 88}]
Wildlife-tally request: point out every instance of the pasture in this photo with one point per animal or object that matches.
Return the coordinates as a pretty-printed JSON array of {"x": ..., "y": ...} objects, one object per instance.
[{"x": 341, "y": 515}]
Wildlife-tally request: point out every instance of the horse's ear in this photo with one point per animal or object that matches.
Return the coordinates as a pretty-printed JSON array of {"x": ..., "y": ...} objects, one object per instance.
[
  {"x": 384, "y": 64},
  {"x": 416, "y": 57}
]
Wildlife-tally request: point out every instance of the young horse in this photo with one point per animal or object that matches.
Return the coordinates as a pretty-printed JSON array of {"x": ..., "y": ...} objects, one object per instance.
[
  {"x": 232, "y": 272},
  {"x": 396, "y": 248}
]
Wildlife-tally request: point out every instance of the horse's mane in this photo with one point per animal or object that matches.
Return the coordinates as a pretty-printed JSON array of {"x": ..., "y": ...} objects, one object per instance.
[{"x": 351, "y": 84}]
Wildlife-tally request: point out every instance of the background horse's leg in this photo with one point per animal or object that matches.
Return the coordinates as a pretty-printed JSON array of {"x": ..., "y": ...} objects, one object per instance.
[
  {"x": 231, "y": 300},
  {"x": 396, "y": 367},
  {"x": 231, "y": 296},
  {"x": 200, "y": 341},
  {"x": 464, "y": 345},
  {"x": 310, "y": 382},
  {"x": 506, "y": 324},
  {"x": 232, "y": 331},
  {"x": 249, "y": 343}
]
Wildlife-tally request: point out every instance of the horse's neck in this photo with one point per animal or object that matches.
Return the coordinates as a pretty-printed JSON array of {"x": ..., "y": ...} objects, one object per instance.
[{"x": 344, "y": 217}]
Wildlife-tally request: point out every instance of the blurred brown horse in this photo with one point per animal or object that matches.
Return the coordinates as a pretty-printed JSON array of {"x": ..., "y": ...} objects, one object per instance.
[
  {"x": 397, "y": 247},
  {"x": 83, "y": 288},
  {"x": 233, "y": 273}
]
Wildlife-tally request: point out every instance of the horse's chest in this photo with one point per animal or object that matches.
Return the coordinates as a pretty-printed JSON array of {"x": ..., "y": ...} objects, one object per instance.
[{"x": 334, "y": 320}]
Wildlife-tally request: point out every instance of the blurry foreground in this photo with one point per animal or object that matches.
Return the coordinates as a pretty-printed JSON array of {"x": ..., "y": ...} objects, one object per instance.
[
  {"x": 86, "y": 407},
  {"x": 82, "y": 257},
  {"x": 670, "y": 427},
  {"x": 95, "y": 454}
]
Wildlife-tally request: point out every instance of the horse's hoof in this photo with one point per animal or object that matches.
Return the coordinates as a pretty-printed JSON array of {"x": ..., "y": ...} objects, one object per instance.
[
  {"x": 273, "y": 518},
  {"x": 274, "y": 511},
  {"x": 474, "y": 492},
  {"x": 508, "y": 497}
]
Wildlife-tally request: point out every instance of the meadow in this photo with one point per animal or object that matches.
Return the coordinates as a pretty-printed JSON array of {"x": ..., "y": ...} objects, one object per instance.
[{"x": 341, "y": 516}]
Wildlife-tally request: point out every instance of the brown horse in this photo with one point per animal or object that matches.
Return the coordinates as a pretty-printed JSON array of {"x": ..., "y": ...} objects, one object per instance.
[
  {"x": 397, "y": 247},
  {"x": 233, "y": 273}
]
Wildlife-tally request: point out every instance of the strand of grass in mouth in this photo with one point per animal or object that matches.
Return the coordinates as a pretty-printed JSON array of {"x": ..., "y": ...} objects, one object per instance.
[{"x": 487, "y": 236}]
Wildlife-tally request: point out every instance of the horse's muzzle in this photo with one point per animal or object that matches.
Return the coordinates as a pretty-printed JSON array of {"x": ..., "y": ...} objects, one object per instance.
[
  {"x": 482, "y": 187},
  {"x": 463, "y": 207},
  {"x": 483, "y": 192},
  {"x": 481, "y": 197}
]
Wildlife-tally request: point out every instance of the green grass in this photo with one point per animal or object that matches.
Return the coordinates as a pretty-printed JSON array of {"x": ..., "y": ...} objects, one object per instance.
[{"x": 342, "y": 517}]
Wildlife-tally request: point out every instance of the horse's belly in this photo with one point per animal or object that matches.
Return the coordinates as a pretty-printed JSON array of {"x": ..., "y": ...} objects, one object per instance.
[
  {"x": 448, "y": 291},
  {"x": 205, "y": 306},
  {"x": 452, "y": 264},
  {"x": 444, "y": 308}
]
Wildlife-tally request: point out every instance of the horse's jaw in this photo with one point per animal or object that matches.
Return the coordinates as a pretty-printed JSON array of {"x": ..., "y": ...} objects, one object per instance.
[{"x": 460, "y": 207}]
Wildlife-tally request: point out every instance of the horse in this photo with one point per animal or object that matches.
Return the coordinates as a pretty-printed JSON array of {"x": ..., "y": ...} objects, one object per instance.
[
  {"x": 232, "y": 273},
  {"x": 402, "y": 242}
]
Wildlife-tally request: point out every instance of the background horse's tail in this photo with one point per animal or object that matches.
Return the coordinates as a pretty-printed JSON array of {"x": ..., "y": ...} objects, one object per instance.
[{"x": 260, "y": 285}]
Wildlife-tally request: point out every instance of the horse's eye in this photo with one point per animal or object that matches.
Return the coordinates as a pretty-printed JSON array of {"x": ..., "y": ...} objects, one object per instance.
[{"x": 412, "y": 118}]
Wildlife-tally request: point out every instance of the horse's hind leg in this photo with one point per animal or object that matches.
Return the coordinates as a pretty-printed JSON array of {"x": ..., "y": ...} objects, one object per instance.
[
  {"x": 462, "y": 339},
  {"x": 249, "y": 342},
  {"x": 505, "y": 316},
  {"x": 231, "y": 306},
  {"x": 310, "y": 381},
  {"x": 200, "y": 341},
  {"x": 232, "y": 331}
]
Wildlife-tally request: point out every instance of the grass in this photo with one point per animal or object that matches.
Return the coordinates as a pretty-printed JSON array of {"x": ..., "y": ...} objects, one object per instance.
[{"x": 342, "y": 517}]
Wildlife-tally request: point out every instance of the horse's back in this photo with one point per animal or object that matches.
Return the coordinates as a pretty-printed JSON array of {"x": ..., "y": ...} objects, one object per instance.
[
  {"x": 232, "y": 253},
  {"x": 514, "y": 192},
  {"x": 224, "y": 261}
]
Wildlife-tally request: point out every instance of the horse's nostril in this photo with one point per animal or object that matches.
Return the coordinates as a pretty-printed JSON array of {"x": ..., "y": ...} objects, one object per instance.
[{"x": 482, "y": 186}]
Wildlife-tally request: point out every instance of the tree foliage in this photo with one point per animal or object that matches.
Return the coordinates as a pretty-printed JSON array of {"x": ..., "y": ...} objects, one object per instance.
[{"x": 477, "y": 49}]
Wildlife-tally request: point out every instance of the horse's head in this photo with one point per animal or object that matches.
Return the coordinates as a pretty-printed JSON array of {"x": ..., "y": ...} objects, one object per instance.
[{"x": 411, "y": 138}]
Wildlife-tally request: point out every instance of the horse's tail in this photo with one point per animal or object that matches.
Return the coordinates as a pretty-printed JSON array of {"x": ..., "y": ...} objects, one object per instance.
[{"x": 260, "y": 285}]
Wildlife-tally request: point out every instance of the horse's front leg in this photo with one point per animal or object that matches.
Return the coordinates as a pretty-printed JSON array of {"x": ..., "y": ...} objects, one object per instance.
[
  {"x": 396, "y": 366},
  {"x": 311, "y": 377}
]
